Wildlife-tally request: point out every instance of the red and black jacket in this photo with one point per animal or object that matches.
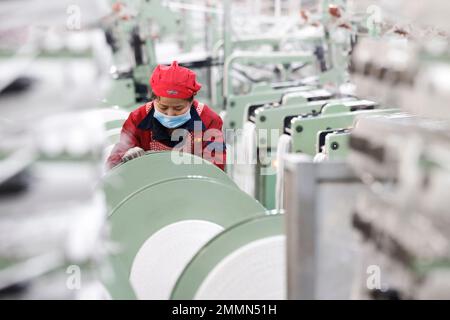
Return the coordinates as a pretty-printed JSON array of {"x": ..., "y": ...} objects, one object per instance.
[{"x": 141, "y": 129}]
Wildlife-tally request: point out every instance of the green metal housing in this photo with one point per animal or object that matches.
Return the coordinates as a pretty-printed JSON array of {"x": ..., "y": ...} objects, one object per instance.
[{"x": 304, "y": 130}]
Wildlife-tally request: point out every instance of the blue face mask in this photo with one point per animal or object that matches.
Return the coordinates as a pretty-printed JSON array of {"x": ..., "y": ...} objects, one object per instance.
[{"x": 172, "y": 121}]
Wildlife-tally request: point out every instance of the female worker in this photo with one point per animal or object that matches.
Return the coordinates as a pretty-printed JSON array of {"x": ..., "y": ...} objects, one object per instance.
[{"x": 172, "y": 120}]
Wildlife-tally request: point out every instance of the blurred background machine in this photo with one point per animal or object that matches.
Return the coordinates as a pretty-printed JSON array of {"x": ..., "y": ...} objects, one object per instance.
[
  {"x": 52, "y": 221},
  {"x": 399, "y": 167},
  {"x": 337, "y": 140}
]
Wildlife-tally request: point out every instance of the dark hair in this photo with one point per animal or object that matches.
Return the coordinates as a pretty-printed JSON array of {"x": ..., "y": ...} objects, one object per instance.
[{"x": 154, "y": 96}]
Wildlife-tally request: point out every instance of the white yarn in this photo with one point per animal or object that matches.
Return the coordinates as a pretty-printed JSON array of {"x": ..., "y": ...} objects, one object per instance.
[
  {"x": 249, "y": 138},
  {"x": 222, "y": 114},
  {"x": 284, "y": 147},
  {"x": 320, "y": 157},
  {"x": 246, "y": 159}
]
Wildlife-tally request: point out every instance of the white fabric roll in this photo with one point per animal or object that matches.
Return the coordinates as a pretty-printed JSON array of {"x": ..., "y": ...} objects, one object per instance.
[
  {"x": 256, "y": 271},
  {"x": 161, "y": 259}
]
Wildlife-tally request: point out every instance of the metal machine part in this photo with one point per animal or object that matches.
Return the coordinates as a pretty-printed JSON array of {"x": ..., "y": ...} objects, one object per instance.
[
  {"x": 276, "y": 117},
  {"x": 334, "y": 144},
  {"x": 261, "y": 94},
  {"x": 258, "y": 173},
  {"x": 270, "y": 124},
  {"x": 322, "y": 250},
  {"x": 267, "y": 120}
]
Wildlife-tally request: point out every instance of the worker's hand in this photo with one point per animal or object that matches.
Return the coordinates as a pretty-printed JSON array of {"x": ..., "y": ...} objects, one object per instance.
[{"x": 133, "y": 153}]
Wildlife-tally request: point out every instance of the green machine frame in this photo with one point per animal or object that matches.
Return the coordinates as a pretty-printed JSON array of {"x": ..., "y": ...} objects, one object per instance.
[
  {"x": 274, "y": 118},
  {"x": 262, "y": 93},
  {"x": 336, "y": 146},
  {"x": 131, "y": 177},
  {"x": 304, "y": 131},
  {"x": 288, "y": 97}
]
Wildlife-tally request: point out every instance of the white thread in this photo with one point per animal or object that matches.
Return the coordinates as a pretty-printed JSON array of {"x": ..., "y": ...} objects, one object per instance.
[{"x": 284, "y": 147}]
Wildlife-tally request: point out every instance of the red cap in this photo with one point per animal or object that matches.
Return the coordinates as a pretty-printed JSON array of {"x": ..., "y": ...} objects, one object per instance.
[{"x": 174, "y": 82}]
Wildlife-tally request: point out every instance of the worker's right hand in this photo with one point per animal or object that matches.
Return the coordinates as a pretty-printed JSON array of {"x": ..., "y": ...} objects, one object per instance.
[{"x": 133, "y": 153}]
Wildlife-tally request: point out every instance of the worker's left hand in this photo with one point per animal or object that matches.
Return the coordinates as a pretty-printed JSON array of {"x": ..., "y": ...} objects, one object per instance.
[{"x": 133, "y": 153}]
